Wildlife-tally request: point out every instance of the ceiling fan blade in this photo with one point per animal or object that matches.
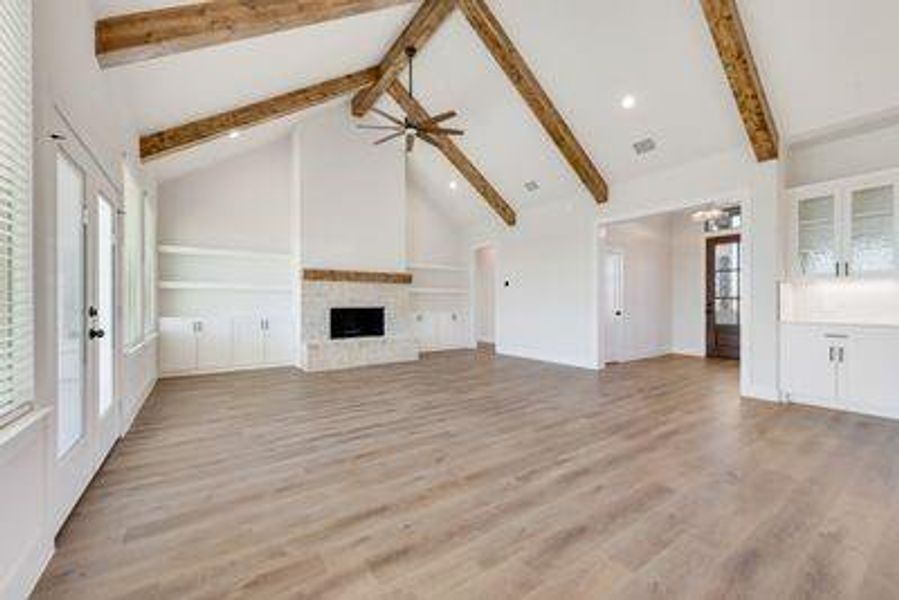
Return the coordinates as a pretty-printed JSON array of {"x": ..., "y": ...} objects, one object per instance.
[
  {"x": 424, "y": 136},
  {"x": 441, "y": 117},
  {"x": 380, "y": 127},
  {"x": 388, "y": 116},
  {"x": 442, "y": 131},
  {"x": 392, "y": 136},
  {"x": 410, "y": 143}
]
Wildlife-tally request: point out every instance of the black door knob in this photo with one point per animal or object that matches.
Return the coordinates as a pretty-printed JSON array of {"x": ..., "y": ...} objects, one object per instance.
[{"x": 96, "y": 333}]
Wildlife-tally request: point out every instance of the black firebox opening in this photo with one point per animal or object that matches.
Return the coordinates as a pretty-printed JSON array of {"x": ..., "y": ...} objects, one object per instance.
[{"x": 357, "y": 322}]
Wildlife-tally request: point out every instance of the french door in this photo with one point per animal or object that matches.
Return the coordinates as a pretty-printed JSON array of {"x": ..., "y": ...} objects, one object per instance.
[{"x": 86, "y": 257}]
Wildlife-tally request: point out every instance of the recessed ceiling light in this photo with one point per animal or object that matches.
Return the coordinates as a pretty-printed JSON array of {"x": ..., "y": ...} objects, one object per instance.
[
  {"x": 233, "y": 134},
  {"x": 628, "y": 102},
  {"x": 453, "y": 185}
]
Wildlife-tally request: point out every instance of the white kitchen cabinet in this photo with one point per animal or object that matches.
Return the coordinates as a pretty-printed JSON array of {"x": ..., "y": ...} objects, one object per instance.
[
  {"x": 853, "y": 368},
  {"x": 847, "y": 228},
  {"x": 871, "y": 376}
]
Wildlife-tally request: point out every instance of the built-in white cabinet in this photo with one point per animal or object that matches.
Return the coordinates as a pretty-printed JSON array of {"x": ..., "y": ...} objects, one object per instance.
[
  {"x": 439, "y": 330},
  {"x": 194, "y": 344},
  {"x": 853, "y": 368},
  {"x": 262, "y": 340},
  {"x": 177, "y": 345},
  {"x": 847, "y": 228},
  {"x": 202, "y": 345}
]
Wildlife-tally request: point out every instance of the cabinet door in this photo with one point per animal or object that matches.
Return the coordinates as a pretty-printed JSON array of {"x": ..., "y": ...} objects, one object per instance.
[
  {"x": 870, "y": 373},
  {"x": 425, "y": 331},
  {"x": 817, "y": 236},
  {"x": 280, "y": 339},
  {"x": 247, "y": 341},
  {"x": 214, "y": 344},
  {"x": 177, "y": 345},
  {"x": 870, "y": 230},
  {"x": 808, "y": 367}
]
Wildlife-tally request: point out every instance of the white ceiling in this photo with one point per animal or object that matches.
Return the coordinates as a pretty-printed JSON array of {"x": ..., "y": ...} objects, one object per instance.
[{"x": 823, "y": 62}]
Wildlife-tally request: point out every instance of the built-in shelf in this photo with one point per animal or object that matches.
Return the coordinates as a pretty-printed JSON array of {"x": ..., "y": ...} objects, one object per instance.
[
  {"x": 222, "y": 286},
  {"x": 435, "y": 267},
  {"x": 223, "y": 253},
  {"x": 436, "y": 290}
]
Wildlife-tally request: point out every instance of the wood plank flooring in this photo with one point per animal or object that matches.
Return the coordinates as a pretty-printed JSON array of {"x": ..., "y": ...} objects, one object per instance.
[{"x": 468, "y": 476}]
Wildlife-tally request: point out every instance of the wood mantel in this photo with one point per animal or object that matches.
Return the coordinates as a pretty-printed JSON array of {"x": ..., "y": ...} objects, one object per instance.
[{"x": 357, "y": 276}]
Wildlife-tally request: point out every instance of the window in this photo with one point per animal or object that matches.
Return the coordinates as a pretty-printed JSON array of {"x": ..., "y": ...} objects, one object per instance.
[
  {"x": 140, "y": 262},
  {"x": 149, "y": 280},
  {"x": 730, "y": 220},
  {"x": 16, "y": 334},
  {"x": 133, "y": 263}
]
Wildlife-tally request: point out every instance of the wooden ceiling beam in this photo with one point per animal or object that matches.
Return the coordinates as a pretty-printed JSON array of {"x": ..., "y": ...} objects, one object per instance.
[
  {"x": 453, "y": 154},
  {"x": 513, "y": 64},
  {"x": 162, "y": 143},
  {"x": 155, "y": 33},
  {"x": 727, "y": 29},
  {"x": 423, "y": 25}
]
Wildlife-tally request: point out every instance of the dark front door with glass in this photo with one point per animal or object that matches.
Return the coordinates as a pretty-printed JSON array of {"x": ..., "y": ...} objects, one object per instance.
[{"x": 723, "y": 296}]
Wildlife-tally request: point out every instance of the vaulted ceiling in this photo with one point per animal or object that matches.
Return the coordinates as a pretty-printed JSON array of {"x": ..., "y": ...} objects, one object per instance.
[{"x": 821, "y": 65}]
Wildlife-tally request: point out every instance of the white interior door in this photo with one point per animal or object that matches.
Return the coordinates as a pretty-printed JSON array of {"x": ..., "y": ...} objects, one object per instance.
[{"x": 614, "y": 304}]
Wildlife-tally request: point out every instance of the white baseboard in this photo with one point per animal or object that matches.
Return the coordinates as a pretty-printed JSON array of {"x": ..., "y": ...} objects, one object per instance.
[
  {"x": 21, "y": 581},
  {"x": 761, "y": 393},
  {"x": 135, "y": 410},
  {"x": 689, "y": 352},
  {"x": 569, "y": 361},
  {"x": 224, "y": 370}
]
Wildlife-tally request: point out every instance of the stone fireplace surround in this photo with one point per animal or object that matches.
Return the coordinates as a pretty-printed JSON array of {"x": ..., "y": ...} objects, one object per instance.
[{"x": 323, "y": 290}]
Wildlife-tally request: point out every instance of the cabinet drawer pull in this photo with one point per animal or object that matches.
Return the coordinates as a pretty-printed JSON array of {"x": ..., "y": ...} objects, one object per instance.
[
  {"x": 831, "y": 353},
  {"x": 836, "y": 336}
]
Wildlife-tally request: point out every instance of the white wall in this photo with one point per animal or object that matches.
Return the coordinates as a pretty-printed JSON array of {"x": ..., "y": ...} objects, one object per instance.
[
  {"x": 647, "y": 285},
  {"x": 687, "y": 286},
  {"x": 353, "y": 196},
  {"x": 432, "y": 235},
  {"x": 242, "y": 203},
  {"x": 548, "y": 311},
  {"x": 866, "y": 149}
]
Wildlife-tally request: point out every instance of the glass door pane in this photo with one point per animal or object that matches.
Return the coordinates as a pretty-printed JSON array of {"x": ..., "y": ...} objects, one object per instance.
[
  {"x": 817, "y": 236},
  {"x": 873, "y": 236},
  {"x": 727, "y": 283},
  {"x": 70, "y": 190},
  {"x": 105, "y": 303}
]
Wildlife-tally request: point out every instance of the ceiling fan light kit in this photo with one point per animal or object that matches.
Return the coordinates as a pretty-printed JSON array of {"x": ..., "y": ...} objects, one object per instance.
[{"x": 428, "y": 130}]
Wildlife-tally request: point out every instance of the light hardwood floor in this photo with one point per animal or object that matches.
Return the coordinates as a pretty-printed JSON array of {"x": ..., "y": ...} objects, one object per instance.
[{"x": 473, "y": 477}]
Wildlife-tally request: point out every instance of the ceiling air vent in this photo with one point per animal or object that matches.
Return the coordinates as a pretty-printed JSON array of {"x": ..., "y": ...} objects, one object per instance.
[
  {"x": 644, "y": 146},
  {"x": 531, "y": 186}
]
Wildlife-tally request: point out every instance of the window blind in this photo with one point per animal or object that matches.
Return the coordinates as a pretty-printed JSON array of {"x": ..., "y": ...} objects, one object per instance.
[{"x": 16, "y": 333}]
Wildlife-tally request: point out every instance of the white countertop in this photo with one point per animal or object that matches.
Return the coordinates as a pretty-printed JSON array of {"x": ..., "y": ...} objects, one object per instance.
[{"x": 841, "y": 323}]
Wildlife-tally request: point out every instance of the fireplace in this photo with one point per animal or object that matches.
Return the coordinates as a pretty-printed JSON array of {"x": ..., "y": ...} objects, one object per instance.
[{"x": 357, "y": 323}]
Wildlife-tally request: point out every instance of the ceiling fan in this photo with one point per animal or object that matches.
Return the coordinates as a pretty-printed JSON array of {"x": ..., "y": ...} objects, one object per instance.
[{"x": 428, "y": 130}]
